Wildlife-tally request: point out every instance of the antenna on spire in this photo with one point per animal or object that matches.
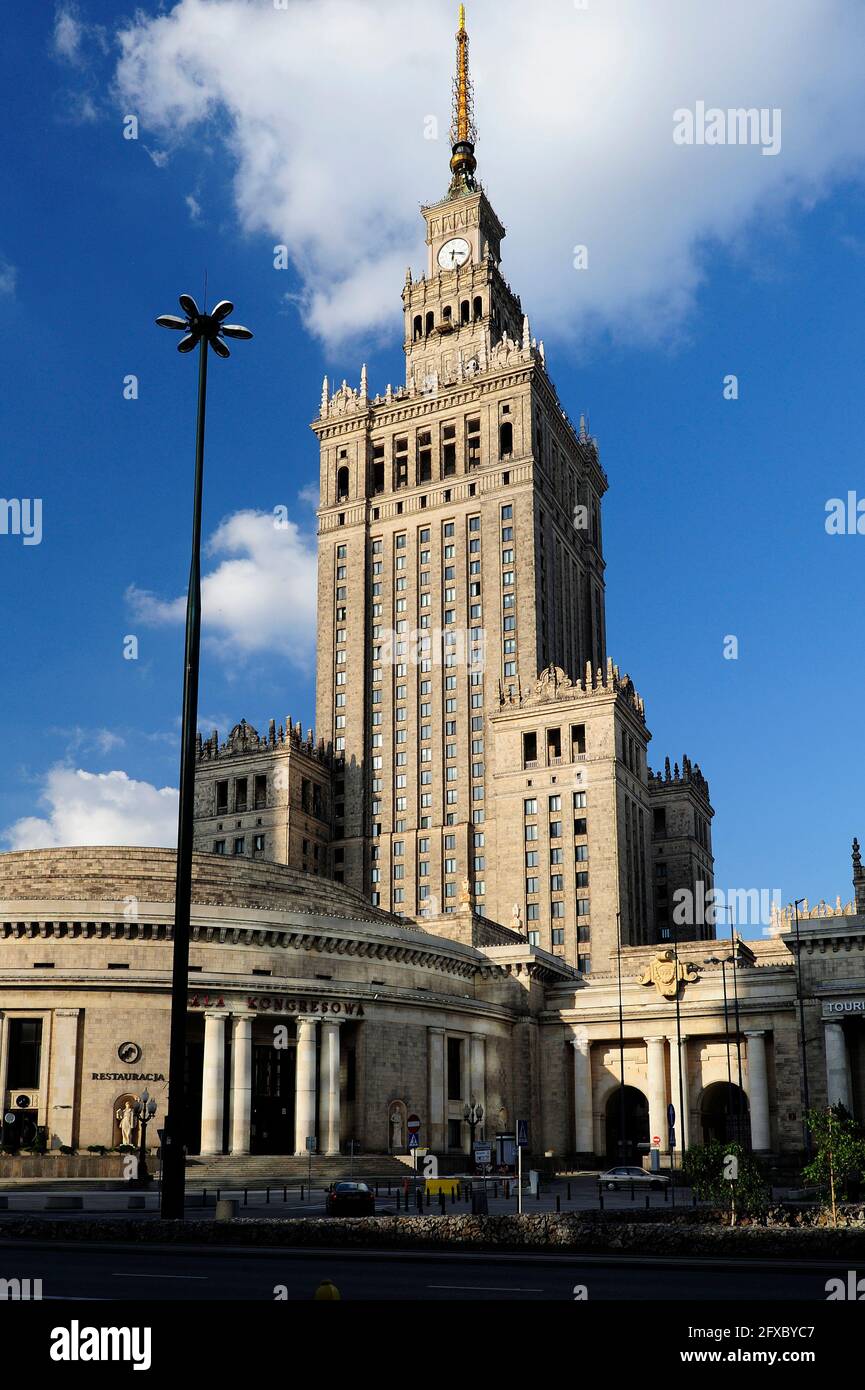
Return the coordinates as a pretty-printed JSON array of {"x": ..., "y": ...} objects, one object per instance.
[{"x": 463, "y": 133}]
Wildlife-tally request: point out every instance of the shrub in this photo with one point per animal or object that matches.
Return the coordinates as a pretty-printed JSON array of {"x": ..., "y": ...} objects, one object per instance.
[
  {"x": 839, "y": 1153},
  {"x": 707, "y": 1171}
]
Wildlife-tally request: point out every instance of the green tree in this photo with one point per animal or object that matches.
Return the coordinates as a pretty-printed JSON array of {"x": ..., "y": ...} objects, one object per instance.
[
  {"x": 839, "y": 1153},
  {"x": 729, "y": 1176}
]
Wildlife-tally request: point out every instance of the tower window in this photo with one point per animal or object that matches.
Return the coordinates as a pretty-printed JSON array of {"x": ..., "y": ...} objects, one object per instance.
[
  {"x": 342, "y": 480},
  {"x": 506, "y": 440},
  {"x": 222, "y": 798},
  {"x": 424, "y": 458},
  {"x": 240, "y": 794},
  {"x": 473, "y": 443},
  {"x": 449, "y": 451},
  {"x": 430, "y": 323},
  {"x": 418, "y": 328},
  {"x": 465, "y": 312},
  {"x": 378, "y": 469},
  {"x": 261, "y": 792},
  {"x": 400, "y": 462},
  {"x": 530, "y": 750},
  {"x": 478, "y": 309}
]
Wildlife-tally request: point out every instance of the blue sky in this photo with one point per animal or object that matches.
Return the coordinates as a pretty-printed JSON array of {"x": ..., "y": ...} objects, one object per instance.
[{"x": 714, "y": 523}]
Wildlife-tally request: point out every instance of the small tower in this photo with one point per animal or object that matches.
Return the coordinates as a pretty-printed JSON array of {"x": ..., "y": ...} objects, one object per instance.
[{"x": 858, "y": 879}]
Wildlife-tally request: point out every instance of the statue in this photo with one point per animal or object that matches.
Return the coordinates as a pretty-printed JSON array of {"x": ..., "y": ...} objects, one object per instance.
[
  {"x": 127, "y": 1120},
  {"x": 517, "y": 918},
  {"x": 667, "y": 974},
  {"x": 396, "y": 1129}
]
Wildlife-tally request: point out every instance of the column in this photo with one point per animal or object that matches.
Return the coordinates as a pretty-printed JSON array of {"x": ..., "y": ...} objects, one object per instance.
[
  {"x": 213, "y": 1083},
  {"x": 329, "y": 1099},
  {"x": 241, "y": 1083},
  {"x": 436, "y": 1053},
  {"x": 304, "y": 1085},
  {"x": 657, "y": 1088},
  {"x": 682, "y": 1104},
  {"x": 64, "y": 1050},
  {"x": 758, "y": 1092},
  {"x": 837, "y": 1073},
  {"x": 478, "y": 1071},
  {"x": 584, "y": 1136}
]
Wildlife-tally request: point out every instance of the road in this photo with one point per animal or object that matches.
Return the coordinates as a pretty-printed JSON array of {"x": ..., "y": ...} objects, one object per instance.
[{"x": 75, "y": 1272}]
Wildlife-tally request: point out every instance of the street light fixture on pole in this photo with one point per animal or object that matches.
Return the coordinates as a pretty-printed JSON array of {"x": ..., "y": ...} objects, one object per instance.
[
  {"x": 806, "y": 1101},
  {"x": 200, "y": 330}
]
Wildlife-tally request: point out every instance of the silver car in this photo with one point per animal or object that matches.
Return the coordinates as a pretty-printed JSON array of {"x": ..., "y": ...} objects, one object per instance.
[{"x": 624, "y": 1176}]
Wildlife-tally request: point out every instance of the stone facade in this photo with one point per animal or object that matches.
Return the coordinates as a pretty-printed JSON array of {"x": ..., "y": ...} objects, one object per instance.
[{"x": 312, "y": 1013}]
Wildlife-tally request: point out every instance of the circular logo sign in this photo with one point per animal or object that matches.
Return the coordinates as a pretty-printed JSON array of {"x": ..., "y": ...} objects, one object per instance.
[
  {"x": 413, "y": 1124},
  {"x": 9, "y": 1117},
  {"x": 129, "y": 1052},
  {"x": 23, "y": 1102}
]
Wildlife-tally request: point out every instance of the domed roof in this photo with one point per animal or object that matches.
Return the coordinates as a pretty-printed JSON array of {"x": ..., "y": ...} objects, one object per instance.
[{"x": 91, "y": 874}]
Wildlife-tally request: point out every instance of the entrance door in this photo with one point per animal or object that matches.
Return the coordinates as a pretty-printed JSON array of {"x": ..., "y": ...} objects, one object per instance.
[
  {"x": 632, "y": 1111},
  {"x": 272, "y": 1099}
]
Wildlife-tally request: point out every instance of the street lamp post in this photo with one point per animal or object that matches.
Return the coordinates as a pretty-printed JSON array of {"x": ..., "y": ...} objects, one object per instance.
[
  {"x": 723, "y": 962},
  {"x": 736, "y": 965},
  {"x": 473, "y": 1114},
  {"x": 144, "y": 1109},
  {"x": 622, "y": 1140},
  {"x": 200, "y": 330},
  {"x": 806, "y": 1101}
]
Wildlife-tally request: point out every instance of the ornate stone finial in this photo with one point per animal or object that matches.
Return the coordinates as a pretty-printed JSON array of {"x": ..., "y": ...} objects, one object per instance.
[
  {"x": 463, "y": 133},
  {"x": 325, "y": 398},
  {"x": 584, "y": 430},
  {"x": 858, "y": 878},
  {"x": 527, "y": 333},
  {"x": 408, "y": 278},
  {"x": 364, "y": 384},
  {"x": 667, "y": 773},
  {"x": 271, "y": 733}
]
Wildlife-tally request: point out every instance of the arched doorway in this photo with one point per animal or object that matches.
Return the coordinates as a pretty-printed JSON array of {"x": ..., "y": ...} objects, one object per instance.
[
  {"x": 724, "y": 1116},
  {"x": 636, "y": 1125}
]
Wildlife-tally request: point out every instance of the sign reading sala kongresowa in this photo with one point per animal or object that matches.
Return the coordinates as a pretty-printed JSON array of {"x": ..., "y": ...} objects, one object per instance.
[{"x": 282, "y": 1004}]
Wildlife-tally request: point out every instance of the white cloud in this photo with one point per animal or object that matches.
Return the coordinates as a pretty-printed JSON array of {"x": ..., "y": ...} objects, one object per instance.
[
  {"x": 261, "y": 596},
  {"x": 194, "y": 208},
  {"x": 323, "y": 109},
  {"x": 8, "y": 277},
  {"x": 68, "y": 34},
  {"x": 97, "y": 808}
]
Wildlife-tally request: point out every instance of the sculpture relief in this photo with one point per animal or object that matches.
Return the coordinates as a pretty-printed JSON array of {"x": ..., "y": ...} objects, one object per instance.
[{"x": 668, "y": 975}]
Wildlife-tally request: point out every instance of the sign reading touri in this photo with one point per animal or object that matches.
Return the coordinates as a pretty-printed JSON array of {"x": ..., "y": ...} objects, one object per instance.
[
  {"x": 283, "y": 1004},
  {"x": 845, "y": 1006}
]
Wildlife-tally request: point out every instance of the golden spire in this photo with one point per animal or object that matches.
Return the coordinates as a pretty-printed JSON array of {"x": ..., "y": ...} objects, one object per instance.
[{"x": 463, "y": 133}]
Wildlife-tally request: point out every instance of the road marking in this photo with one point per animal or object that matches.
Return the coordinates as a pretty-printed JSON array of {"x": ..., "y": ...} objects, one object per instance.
[
  {"x": 482, "y": 1288},
  {"x": 115, "y": 1275}
]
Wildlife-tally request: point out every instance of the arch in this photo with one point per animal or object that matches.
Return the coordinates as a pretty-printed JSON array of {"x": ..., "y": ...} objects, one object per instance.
[
  {"x": 506, "y": 440},
  {"x": 478, "y": 309},
  {"x": 636, "y": 1125},
  {"x": 117, "y": 1109},
  {"x": 724, "y": 1114},
  {"x": 342, "y": 485},
  {"x": 418, "y": 327},
  {"x": 465, "y": 312},
  {"x": 430, "y": 323},
  {"x": 397, "y": 1115}
]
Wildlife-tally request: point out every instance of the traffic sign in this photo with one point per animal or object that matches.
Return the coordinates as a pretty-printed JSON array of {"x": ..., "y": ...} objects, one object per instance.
[
  {"x": 413, "y": 1141},
  {"x": 311, "y": 1144},
  {"x": 412, "y": 1124},
  {"x": 483, "y": 1155},
  {"x": 523, "y": 1134},
  {"x": 656, "y": 1141}
]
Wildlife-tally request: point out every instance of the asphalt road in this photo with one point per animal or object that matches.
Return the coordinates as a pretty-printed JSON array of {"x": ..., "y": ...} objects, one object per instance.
[{"x": 75, "y": 1272}]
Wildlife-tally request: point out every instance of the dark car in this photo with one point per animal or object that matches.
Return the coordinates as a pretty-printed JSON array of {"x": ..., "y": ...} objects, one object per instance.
[{"x": 350, "y": 1199}]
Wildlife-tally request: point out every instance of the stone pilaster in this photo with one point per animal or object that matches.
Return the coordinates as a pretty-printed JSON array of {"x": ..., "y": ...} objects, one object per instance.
[
  {"x": 584, "y": 1138},
  {"x": 758, "y": 1092},
  {"x": 64, "y": 1046},
  {"x": 329, "y": 1098},
  {"x": 213, "y": 1083},
  {"x": 241, "y": 1083},
  {"x": 657, "y": 1086},
  {"x": 304, "y": 1090},
  {"x": 837, "y": 1070}
]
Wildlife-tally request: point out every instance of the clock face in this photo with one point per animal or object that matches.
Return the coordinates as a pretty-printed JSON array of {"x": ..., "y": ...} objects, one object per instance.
[{"x": 454, "y": 253}]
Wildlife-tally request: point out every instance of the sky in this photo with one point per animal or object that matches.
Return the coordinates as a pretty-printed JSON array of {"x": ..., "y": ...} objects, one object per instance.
[{"x": 283, "y": 151}]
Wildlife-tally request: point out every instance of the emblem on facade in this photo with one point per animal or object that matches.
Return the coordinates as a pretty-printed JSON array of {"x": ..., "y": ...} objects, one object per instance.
[
  {"x": 667, "y": 974},
  {"x": 129, "y": 1052}
]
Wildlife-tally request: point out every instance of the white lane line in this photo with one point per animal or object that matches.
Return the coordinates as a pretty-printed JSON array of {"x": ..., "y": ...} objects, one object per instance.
[
  {"x": 160, "y": 1276},
  {"x": 482, "y": 1288}
]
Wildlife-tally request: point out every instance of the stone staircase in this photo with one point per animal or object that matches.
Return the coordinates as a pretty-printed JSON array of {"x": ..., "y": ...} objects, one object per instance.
[{"x": 257, "y": 1170}]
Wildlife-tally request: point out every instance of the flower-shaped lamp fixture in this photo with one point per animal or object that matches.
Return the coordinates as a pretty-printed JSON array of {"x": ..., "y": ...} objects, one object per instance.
[{"x": 197, "y": 325}]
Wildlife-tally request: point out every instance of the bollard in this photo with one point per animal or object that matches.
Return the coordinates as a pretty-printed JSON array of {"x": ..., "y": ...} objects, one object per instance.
[
  {"x": 454, "y": 1194},
  {"x": 218, "y": 1190},
  {"x": 694, "y": 1198},
  {"x": 428, "y": 1197},
  {"x": 538, "y": 1189},
  {"x": 558, "y": 1203},
  {"x": 508, "y": 1191},
  {"x": 267, "y": 1197},
  {"x": 285, "y": 1194},
  {"x": 204, "y": 1198},
  {"x": 301, "y": 1192},
  {"x": 647, "y": 1201},
  {"x": 569, "y": 1191},
  {"x": 442, "y": 1203},
  {"x": 600, "y": 1197},
  {"x": 398, "y": 1202},
  {"x": 632, "y": 1192},
  {"x": 245, "y": 1196},
  {"x": 225, "y": 1210},
  {"x": 419, "y": 1202}
]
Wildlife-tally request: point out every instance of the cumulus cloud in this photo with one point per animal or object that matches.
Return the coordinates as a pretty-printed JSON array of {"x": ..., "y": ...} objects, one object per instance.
[
  {"x": 97, "y": 808},
  {"x": 73, "y": 37},
  {"x": 8, "y": 277},
  {"x": 326, "y": 111},
  {"x": 261, "y": 595}
]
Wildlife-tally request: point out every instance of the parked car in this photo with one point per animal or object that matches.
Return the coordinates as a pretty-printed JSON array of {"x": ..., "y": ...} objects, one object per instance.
[
  {"x": 624, "y": 1176},
  {"x": 350, "y": 1199}
]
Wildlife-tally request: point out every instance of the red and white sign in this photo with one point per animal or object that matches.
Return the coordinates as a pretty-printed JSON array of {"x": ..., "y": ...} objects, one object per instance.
[
  {"x": 412, "y": 1124},
  {"x": 656, "y": 1141}
]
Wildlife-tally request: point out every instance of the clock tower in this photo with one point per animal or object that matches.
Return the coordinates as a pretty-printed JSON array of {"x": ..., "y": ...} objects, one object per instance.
[{"x": 463, "y": 307}]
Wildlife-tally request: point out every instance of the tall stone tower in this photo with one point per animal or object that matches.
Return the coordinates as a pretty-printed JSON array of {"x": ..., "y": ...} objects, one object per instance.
[{"x": 460, "y": 550}]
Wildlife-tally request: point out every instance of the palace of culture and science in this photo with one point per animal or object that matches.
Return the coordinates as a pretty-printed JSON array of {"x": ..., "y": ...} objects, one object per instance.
[{"x": 478, "y": 753}]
